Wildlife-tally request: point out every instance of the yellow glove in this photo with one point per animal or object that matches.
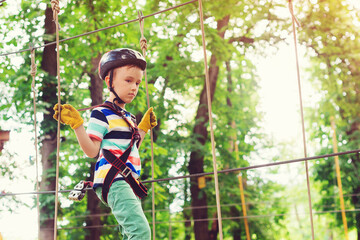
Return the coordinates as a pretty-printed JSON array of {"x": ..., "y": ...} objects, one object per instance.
[
  {"x": 148, "y": 121},
  {"x": 69, "y": 116}
]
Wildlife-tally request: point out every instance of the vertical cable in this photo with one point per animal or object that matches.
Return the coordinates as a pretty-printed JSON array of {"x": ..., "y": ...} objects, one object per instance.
[
  {"x": 56, "y": 10},
  {"x": 302, "y": 117},
  {"x": 211, "y": 121},
  {"x": 143, "y": 45}
]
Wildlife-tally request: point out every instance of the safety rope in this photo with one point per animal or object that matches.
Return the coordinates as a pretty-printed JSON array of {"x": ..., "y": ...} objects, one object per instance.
[
  {"x": 207, "y": 83},
  {"x": 33, "y": 74},
  {"x": 143, "y": 45},
  {"x": 56, "y": 9},
  {"x": 294, "y": 20}
]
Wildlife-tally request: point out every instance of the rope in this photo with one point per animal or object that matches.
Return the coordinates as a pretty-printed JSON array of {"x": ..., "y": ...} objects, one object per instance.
[
  {"x": 210, "y": 121},
  {"x": 302, "y": 115},
  {"x": 33, "y": 74},
  {"x": 56, "y": 9},
  {"x": 143, "y": 44},
  {"x": 101, "y": 29}
]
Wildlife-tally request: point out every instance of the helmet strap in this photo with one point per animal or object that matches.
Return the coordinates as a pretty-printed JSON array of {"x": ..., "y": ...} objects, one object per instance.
[{"x": 117, "y": 98}]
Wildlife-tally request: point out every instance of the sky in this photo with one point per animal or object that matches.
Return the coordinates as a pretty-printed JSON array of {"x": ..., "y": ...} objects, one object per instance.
[{"x": 279, "y": 100}]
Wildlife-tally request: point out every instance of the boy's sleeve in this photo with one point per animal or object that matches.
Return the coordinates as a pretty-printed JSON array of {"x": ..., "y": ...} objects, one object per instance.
[{"x": 98, "y": 125}]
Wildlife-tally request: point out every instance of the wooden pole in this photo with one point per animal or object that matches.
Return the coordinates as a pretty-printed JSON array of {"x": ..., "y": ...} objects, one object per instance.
[
  {"x": 241, "y": 186},
  {"x": 244, "y": 207},
  {"x": 338, "y": 176}
]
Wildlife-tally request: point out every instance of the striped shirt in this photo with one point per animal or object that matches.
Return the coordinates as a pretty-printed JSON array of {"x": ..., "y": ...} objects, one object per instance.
[{"x": 115, "y": 135}]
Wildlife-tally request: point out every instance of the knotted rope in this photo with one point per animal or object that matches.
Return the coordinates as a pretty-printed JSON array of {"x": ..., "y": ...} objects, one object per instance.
[
  {"x": 56, "y": 9},
  {"x": 33, "y": 74},
  {"x": 143, "y": 41},
  {"x": 143, "y": 45}
]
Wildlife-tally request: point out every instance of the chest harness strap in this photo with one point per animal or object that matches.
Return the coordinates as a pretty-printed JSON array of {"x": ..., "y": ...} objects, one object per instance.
[{"x": 118, "y": 164}]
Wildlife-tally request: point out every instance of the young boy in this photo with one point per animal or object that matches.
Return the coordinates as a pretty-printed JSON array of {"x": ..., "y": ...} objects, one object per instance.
[{"x": 112, "y": 136}]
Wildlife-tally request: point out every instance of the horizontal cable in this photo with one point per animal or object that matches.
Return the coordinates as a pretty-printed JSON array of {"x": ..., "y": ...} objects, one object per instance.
[
  {"x": 210, "y": 173},
  {"x": 101, "y": 29}
]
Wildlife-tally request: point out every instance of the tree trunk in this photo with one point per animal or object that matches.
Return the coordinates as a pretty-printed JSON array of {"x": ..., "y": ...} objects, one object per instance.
[
  {"x": 236, "y": 232},
  {"x": 48, "y": 180},
  {"x": 214, "y": 229},
  {"x": 93, "y": 202},
  {"x": 196, "y": 163}
]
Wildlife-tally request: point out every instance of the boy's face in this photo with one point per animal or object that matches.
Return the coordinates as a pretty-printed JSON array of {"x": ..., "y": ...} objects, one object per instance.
[{"x": 126, "y": 82}]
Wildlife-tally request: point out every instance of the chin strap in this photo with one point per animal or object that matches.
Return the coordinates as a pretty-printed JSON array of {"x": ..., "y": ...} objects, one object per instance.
[{"x": 117, "y": 98}]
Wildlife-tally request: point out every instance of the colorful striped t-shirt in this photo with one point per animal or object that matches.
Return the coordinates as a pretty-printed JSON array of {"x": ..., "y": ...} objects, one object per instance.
[{"x": 115, "y": 135}]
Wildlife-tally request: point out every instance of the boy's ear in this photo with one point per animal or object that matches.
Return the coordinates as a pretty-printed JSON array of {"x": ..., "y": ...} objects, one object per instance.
[{"x": 107, "y": 80}]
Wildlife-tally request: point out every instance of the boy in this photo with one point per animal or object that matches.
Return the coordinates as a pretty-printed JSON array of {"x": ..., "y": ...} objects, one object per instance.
[{"x": 113, "y": 138}]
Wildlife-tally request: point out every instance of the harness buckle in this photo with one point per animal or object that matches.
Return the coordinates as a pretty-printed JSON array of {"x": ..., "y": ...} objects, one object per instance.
[{"x": 126, "y": 172}]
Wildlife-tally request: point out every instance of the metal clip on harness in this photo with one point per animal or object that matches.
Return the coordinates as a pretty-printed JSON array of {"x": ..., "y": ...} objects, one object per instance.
[{"x": 80, "y": 190}]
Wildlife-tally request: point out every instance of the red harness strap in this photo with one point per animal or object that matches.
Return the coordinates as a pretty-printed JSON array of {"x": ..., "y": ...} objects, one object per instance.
[{"x": 119, "y": 166}]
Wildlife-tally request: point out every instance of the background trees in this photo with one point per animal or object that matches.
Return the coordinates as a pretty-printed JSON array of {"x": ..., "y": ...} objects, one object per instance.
[{"x": 235, "y": 31}]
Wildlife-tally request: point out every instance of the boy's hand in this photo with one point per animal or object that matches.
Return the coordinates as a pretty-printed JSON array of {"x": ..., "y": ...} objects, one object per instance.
[
  {"x": 148, "y": 121},
  {"x": 69, "y": 116}
]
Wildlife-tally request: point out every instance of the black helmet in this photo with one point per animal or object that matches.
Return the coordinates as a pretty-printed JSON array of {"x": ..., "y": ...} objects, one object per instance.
[{"x": 118, "y": 58}]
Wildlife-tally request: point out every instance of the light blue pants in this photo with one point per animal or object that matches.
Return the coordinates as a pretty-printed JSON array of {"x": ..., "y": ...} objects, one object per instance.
[{"x": 126, "y": 207}]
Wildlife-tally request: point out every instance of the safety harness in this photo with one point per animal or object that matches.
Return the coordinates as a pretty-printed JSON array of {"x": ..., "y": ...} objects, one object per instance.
[{"x": 118, "y": 164}]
